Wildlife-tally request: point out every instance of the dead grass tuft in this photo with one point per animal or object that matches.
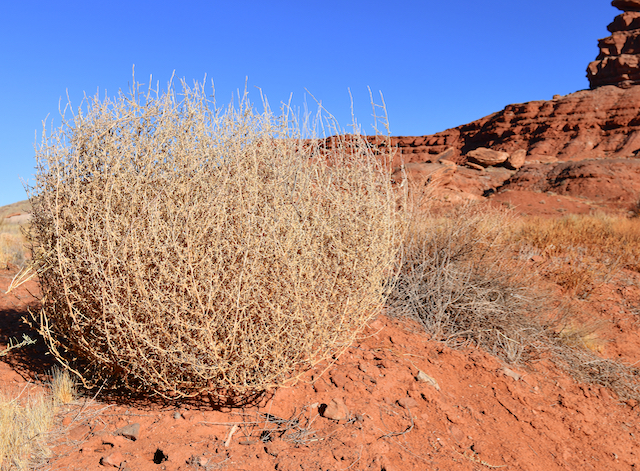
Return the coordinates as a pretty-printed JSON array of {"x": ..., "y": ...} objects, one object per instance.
[
  {"x": 460, "y": 280},
  {"x": 465, "y": 279},
  {"x": 24, "y": 424},
  {"x": 182, "y": 248},
  {"x": 63, "y": 389}
]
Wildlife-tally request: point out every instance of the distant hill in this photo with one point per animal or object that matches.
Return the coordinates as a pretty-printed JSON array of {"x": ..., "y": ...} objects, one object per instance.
[{"x": 21, "y": 207}]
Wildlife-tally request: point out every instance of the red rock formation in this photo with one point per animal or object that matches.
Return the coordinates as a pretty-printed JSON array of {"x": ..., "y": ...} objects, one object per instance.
[
  {"x": 601, "y": 124},
  {"x": 618, "y": 61}
]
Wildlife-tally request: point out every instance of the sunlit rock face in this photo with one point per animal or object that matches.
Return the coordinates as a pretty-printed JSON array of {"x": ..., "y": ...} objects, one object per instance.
[{"x": 618, "y": 61}]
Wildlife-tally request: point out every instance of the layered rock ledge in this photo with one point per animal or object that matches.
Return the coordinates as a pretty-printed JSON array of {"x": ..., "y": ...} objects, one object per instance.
[{"x": 600, "y": 123}]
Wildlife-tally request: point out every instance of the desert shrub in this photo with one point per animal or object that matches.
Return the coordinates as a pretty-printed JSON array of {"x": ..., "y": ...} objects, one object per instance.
[
  {"x": 183, "y": 248},
  {"x": 460, "y": 280}
]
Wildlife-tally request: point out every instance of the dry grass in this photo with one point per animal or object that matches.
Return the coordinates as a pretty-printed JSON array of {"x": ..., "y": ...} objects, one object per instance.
[
  {"x": 182, "y": 248},
  {"x": 584, "y": 250},
  {"x": 460, "y": 280},
  {"x": 12, "y": 249},
  {"x": 26, "y": 421}
]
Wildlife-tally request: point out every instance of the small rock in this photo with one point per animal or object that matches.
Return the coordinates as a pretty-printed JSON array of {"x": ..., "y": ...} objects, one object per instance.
[
  {"x": 320, "y": 386},
  {"x": 94, "y": 445},
  {"x": 407, "y": 402},
  {"x": 130, "y": 431},
  {"x": 198, "y": 460},
  {"x": 447, "y": 154},
  {"x": 114, "y": 460},
  {"x": 176, "y": 415},
  {"x": 475, "y": 166},
  {"x": 457, "y": 434},
  {"x": 511, "y": 374},
  {"x": 113, "y": 440},
  {"x": 79, "y": 433},
  {"x": 336, "y": 410},
  {"x": 425, "y": 378},
  {"x": 477, "y": 448},
  {"x": 275, "y": 447}
]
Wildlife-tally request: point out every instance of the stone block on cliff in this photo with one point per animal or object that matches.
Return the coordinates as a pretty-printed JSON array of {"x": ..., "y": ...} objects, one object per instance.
[
  {"x": 626, "y": 5},
  {"x": 487, "y": 157},
  {"x": 516, "y": 159},
  {"x": 626, "y": 21},
  {"x": 449, "y": 154}
]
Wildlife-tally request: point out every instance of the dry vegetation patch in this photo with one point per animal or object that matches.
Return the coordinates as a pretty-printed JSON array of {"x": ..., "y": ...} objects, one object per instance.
[
  {"x": 583, "y": 251},
  {"x": 12, "y": 250},
  {"x": 467, "y": 278},
  {"x": 460, "y": 279}
]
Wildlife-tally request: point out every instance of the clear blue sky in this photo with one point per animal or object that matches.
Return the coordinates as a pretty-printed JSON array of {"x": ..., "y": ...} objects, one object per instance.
[{"x": 439, "y": 63}]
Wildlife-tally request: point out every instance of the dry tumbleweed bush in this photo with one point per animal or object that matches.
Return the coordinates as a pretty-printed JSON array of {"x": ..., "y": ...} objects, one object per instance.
[{"x": 182, "y": 248}]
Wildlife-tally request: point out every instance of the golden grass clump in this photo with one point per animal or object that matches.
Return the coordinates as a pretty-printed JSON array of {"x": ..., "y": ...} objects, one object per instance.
[
  {"x": 184, "y": 249},
  {"x": 63, "y": 389},
  {"x": 24, "y": 424},
  {"x": 584, "y": 250},
  {"x": 27, "y": 422}
]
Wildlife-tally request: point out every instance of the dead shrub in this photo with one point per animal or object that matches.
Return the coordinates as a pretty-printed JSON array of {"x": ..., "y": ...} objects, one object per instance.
[
  {"x": 460, "y": 279},
  {"x": 466, "y": 281},
  {"x": 183, "y": 248}
]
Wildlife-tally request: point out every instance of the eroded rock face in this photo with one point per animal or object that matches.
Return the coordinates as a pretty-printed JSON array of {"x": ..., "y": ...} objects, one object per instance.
[
  {"x": 618, "y": 61},
  {"x": 614, "y": 182},
  {"x": 600, "y": 123},
  {"x": 627, "y": 5},
  {"x": 425, "y": 173}
]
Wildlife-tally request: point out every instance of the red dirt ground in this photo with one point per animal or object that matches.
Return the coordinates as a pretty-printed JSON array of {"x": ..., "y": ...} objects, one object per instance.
[{"x": 476, "y": 414}]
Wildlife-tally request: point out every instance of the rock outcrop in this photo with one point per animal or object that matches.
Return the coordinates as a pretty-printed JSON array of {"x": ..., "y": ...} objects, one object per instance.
[
  {"x": 611, "y": 183},
  {"x": 600, "y": 123},
  {"x": 487, "y": 157},
  {"x": 618, "y": 61}
]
